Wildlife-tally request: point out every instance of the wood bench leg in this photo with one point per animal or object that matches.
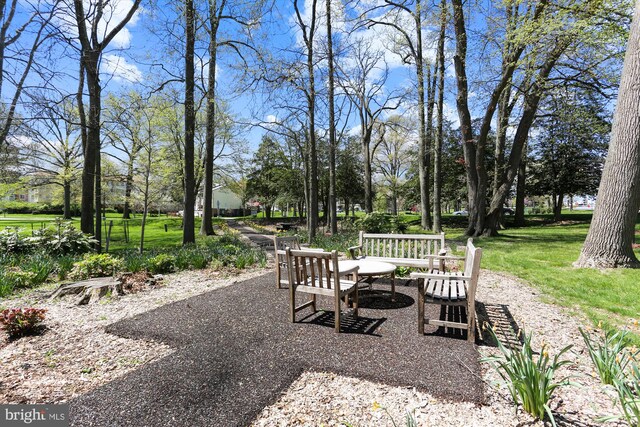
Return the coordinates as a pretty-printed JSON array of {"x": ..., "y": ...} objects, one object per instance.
[{"x": 421, "y": 307}]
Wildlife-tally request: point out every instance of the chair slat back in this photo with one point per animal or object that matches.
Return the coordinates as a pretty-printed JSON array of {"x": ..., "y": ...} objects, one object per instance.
[
  {"x": 472, "y": 267},
  {"x": 312, "y": 268},
  {"x": 281, "y": 243}
]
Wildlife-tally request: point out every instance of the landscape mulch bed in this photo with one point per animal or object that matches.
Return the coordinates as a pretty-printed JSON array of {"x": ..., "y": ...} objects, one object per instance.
[{"x": 237, "y": 352}]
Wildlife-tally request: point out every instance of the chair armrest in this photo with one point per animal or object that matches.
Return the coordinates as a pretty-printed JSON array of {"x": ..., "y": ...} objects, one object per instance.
[
  {"x": 353, "y": 249},
  {"x": 419, "y": 275}
]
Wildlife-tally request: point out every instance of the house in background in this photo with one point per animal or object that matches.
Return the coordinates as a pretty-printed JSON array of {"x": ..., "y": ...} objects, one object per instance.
[{"x": 225, "y": 202}]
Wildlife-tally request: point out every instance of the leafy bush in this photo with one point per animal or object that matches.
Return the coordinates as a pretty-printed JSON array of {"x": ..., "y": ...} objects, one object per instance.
[
  {"x": 19, "y": 322},
  {"x": 60, "y": 239},
  {"x": 12, "y": 241},
  {"x": 163, "y": 263},
  {"x": 610, "y": 354},
  {"x": 530, "y": 382},
  {"x": 96, "y": 265},
  {"x": 375, "y": 222},
  {"x": 18, "y": 278},
  {"x": 64, "y": 238}
]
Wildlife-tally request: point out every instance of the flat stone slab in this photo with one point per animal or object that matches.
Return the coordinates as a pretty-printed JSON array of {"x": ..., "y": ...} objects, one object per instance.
[{"x": 236, "y": 352}]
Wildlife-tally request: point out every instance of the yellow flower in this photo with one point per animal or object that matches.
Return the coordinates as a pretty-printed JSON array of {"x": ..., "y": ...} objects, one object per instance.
[
  {"x": 545, "y": 353},
  {"x": 635, "y": 322},
  {"x": 600, "y": 324},
  {"x": 376, "y": 405}
]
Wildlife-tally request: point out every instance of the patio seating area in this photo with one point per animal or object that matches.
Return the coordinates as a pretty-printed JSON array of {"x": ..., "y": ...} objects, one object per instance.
[{"x": 237, "y": 351}]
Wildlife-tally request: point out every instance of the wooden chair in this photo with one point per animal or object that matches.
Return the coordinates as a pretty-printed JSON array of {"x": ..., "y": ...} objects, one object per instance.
[
  {"x": 451, "y": 289},
  {"x": 280, "y": 244},
  {"x": 317, "y": 273}
]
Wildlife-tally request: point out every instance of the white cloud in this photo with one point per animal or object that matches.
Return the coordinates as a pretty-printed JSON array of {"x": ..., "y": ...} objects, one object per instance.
[
  {"x": 121, "y": 69},
  {"x": 270, "y": 118}
]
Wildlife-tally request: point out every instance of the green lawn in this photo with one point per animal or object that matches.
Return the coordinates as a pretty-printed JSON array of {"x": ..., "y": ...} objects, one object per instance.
[{"x": 155, "y": 235}]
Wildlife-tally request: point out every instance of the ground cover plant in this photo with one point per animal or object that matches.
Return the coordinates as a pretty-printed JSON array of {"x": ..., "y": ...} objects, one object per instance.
[
  {"x": 530, "y": 380},
  {"x": 19, "y": 322},
  {"x": 34, "y": 265}
]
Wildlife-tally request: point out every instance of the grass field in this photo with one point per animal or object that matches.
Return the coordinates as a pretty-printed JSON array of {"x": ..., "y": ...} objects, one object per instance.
[{"x": 155, "y": 234}]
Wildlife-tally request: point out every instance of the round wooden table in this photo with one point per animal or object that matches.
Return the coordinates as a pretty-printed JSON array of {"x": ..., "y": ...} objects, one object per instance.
[{"x": 371, "y": 270}]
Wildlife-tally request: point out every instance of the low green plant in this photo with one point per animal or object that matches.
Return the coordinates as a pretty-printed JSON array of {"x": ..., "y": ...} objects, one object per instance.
[
  {"x": 96, "y": 265},
  {"x": 161, "y": 264},
  {"x": 18, "y": 278},
  {"x": 530, "y": 382},
  {"x": 19, "y": 322},
  {"x": 375, "y": 222},
  {"x": 628, "y": 390},
  {"x": 609, "y": 353}
]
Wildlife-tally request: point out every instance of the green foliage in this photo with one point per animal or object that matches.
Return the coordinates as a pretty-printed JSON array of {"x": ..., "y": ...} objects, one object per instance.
[
  {"x": 64, "y": 238},
  {"x": 530, "y": 382},
  {"x": 628, "y": 390},
  {"x": 13, "y": 241},
  {"x": 375, "y": 222},
  {"x": 610, "y": 353},
  {"x": 162, "y": 263},
  {"x": 19, "y": 322},
  {"x": 59, "y": 239},
  {"x": 18, "y": 278},
  {"x": 96, "y": 265}
]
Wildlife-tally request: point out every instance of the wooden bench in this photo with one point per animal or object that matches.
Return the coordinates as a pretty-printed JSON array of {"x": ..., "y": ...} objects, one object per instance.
[
  {"x": 286, "y": 226},
  {"x": 451, "y": 290},
  {"x": 406, "y": 250}
]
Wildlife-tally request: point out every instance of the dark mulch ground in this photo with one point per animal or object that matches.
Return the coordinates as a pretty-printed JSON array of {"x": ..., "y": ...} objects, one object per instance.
[{"x": 237, "y": 351}]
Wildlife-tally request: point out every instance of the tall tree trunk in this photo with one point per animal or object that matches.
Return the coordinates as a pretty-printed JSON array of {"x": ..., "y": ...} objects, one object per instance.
[
  {"x": 557, "y": 207},
  {"x": 332, "y": 128},
  {"x": 437, "y": 148},
  {"x": 206, "y": 228},
  {"x": 67, "y": 199},
  {"x": 423, "y": 150},
  {"x": 188, "y": 232},
  {"x": 128, "y": 186},
  {"x": 521, "y": 192},
  {"x": 91, "y": 147},
  {"x": 610, "y": 238},
  {"x": 368, "y": 182},
  {"x": 146, "y": 198}
]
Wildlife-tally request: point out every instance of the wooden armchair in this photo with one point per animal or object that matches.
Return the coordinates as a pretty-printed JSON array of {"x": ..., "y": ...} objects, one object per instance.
[
  {"x": 317, "y": 273},
  {"x": 450, "y": 290},
  {"x": 280, "y": 244}
]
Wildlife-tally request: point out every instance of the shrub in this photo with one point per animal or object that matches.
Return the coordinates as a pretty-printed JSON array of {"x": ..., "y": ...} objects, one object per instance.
[
  {"x": 12, "y": 241},
  {"x": 19, "y": 322},
  {"x": 163, "y": 263},
  {"x": 18, "y": 278},
  {"x": 609, "y": 353},
  {"x": 530, "y": 382},
  {"x": 375, "y": 223},
  {"x": 64, "y": 238},
  {"x": 96, "y": 265},
  {"x": 60, "y": 239}
]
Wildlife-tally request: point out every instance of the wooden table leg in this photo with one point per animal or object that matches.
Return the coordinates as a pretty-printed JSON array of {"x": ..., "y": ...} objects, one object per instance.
[{"x": 393, "y": 286}]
